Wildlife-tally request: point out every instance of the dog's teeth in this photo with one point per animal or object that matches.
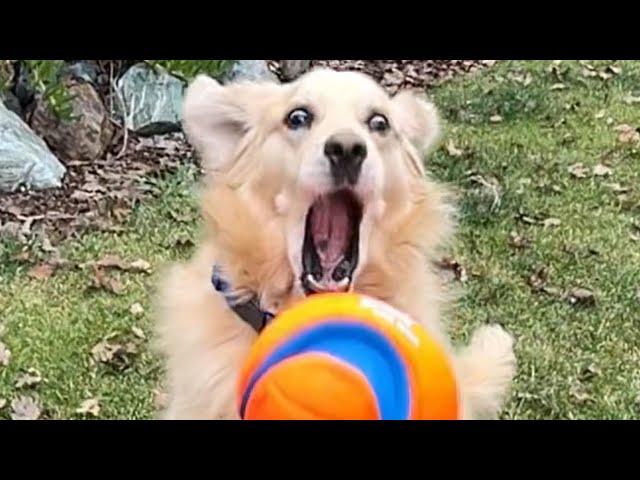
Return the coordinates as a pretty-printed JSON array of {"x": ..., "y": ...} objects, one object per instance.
[
  {"x": 340, "y": 272},
  {"x": 343, "y": 283},
  {"x": 314, "y": 284}
]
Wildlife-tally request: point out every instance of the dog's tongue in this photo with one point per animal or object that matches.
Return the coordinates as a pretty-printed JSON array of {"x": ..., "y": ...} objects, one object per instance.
[{"x": 330, "y": 228}]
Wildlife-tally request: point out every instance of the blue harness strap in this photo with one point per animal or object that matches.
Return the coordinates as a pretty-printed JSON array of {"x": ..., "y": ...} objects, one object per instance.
[{"x": 249, "y": 311}]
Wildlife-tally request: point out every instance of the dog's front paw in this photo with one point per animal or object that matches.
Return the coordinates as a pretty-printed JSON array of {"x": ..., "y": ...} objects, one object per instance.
[
  {"x": 487, "y": 367},
  {"x": 495, "y": 341}
]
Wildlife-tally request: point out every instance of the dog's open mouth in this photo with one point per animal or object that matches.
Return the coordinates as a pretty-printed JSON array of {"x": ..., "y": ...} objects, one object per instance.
[{"x": 331, "y": 238}]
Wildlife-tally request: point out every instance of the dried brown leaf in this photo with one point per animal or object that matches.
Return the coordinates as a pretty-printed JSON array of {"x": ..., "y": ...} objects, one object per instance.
[
  {"x": 140, "y": 266},
  {"x": 551, "y": 222},
  {"x": 450, "y": 269},
  {"x": 28, "y": 379},
  {"x": 3, "y": 403},
  {"x": 136, "y": 310},
  {"x": 495, "y": 119},
  {"x": 627, "y": 134},
  {"x": 25, "y": 408},
  {"x": 558, "y": 86},
  {"x": 529, "y": 220},
  {"x": 630, "y": 99},
  {"x": 538, "y": 278},
  {"x": 47, "y": 247},
  {"x": 518, "y": 241},
  {"x": 109, "y": 261},
  {"x": 114, "y": 355},
  {"x": 579, "y": 393},
  {"x": 590, "y": 372},
  {"x": 105, "y": 351},
  {"x": 42, "y": 271},
  {"x": 581, "y": 296},
  {"x": 453, "y": 150},
  {"x": 138, "y": 332},
  {"x": 601, "y": 170},
  {"x": 89, "y": 406},
  {"x": 579, "y": 170},
  {"x": 101, "y": 280},
  {"x": 617, "y": 188},
  {"x": 5, "y": 355},
  {"x": 115, "y": 261},
  {"x": 614, "y": 69},
  {"x": 552, "y": 291}
]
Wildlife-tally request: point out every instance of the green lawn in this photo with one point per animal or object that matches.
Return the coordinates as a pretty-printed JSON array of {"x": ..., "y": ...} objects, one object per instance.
[{"x": 516, "y": 132}]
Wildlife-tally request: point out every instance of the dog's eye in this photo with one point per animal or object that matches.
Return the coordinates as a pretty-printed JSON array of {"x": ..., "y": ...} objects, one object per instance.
[
  {"x": 378, "y": 123},
  {"x": 299, "y": 118}
]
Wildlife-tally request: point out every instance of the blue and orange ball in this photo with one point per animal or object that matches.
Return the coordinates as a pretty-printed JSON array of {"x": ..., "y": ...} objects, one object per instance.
[{"x": 343, "y": 356}]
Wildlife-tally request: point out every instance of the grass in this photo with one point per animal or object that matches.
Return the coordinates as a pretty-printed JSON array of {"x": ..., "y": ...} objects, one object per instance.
[{"x": 575, "y": 361}]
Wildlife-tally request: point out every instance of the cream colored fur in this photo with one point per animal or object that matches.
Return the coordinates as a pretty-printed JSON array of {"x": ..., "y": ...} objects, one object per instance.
[{"x": 261, "y": 180}]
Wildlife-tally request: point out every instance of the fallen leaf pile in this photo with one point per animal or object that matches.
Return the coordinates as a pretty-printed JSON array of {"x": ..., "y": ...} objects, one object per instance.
[
  {"x": 394, "y": 75},
  {"x": 117, "y": 353}
]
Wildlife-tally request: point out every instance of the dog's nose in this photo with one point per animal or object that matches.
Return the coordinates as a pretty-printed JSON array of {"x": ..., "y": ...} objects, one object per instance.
[{"x": 346, "y": 151}]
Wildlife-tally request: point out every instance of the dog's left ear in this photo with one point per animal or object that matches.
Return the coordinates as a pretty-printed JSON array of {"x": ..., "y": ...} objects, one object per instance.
[
  {"x": 417, "y": 119},
  {"x": 216, "y": 118}
]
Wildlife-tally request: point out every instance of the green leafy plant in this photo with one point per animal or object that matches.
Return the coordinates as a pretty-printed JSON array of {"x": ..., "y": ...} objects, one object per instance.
[
  {"x": 6, "y": 74},
  {"x": 45, "y": 76}
]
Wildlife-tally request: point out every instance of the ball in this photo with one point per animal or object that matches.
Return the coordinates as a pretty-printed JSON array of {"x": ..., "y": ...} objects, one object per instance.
[{"x": 343, "y": 356}]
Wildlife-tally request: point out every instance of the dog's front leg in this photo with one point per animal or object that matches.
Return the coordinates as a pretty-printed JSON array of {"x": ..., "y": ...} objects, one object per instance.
[
  {"x": 486, "y": 368},
  {"x": 204, "y": 343}
]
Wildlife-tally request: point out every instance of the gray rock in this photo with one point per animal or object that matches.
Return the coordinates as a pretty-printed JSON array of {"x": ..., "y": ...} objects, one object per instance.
[
  {"x": 152, "y": 100},
  {"x": 12, "y": 103},
  {"x": 83, "y": 137},
  {"x": 24, "y": 157},
  {"x": 23, "y": 89},
  {"x": 254, "y": 70},
  {"x": 292, "y": 69},
  {"x": 82, "y": 70}
]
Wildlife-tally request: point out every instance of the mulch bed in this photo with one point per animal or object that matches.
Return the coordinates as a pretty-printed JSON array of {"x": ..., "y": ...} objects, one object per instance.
[
  {"x": 394, "y": 75},
  {"x": 100, "y": 194},
  {"x": 97, "y": 194}
]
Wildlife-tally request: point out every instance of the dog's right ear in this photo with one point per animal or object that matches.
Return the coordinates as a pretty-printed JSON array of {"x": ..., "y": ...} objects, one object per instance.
[{"x": 216, "y": 117}]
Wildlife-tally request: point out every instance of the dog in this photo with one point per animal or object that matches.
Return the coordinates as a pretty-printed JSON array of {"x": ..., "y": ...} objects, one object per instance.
[{"x": 317, "y": 185}]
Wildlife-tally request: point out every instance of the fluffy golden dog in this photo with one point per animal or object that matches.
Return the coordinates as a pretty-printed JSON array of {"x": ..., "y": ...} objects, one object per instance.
[{"x": 317, "y": 185}]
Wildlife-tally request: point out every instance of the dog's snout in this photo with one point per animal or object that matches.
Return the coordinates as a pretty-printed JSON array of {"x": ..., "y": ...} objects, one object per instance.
[{"x": 345, "y": 151}]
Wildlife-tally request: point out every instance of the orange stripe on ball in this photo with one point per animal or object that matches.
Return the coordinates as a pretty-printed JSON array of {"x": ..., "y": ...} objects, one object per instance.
[{"x": 290, "y": 391}]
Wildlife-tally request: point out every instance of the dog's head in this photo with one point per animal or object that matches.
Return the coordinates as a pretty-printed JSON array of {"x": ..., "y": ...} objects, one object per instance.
[{"x": 312, "y": 171}]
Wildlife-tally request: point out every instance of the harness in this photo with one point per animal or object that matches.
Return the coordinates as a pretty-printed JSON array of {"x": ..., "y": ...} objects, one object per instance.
[{"x": 248, "y": 311}]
